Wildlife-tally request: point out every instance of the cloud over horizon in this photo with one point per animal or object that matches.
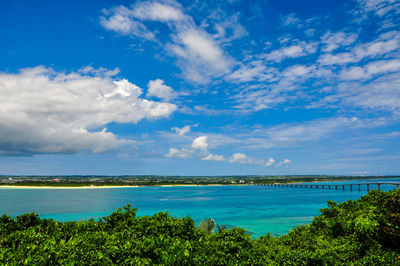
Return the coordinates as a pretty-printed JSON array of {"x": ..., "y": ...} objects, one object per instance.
[{"x": 45, "y": 111}]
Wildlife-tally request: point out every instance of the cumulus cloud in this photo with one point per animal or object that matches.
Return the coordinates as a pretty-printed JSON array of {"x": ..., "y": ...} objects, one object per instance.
[
  {"x": 200, "y": 143},
  {"x": 158, "y": 89},
  {"x": 45, "y": 111},
  {"x": 244, "y": 159},
  {"x": 240, "y": 158},
  {"x": 213, "y": 157},
  {"x": 199, "y": 149},
  {"x": 284, "y": 162}
]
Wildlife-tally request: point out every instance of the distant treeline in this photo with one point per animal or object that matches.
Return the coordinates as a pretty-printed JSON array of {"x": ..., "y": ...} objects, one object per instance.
[
  {"x": 361, "y": 232},
  {"x": 166, "y": 180}
]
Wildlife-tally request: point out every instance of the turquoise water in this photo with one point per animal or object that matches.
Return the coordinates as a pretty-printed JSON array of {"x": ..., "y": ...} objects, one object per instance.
[{"x": 258, "y": 209}]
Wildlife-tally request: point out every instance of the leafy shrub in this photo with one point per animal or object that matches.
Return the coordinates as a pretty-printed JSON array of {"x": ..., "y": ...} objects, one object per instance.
[{"x": 365, "y": 231}]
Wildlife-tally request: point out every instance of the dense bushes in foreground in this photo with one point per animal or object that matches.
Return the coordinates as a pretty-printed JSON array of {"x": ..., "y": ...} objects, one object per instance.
[{"x": 365, "y": 231}]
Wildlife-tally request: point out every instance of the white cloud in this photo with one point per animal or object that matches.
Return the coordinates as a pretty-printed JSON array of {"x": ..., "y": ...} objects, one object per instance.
[
  {"x": 255, "y": 70},
  {"x": 158, "y": 89},
  {"x": 337, "y": 59},
  {"x": 44, "y": 111},
  {"x": 199, "y": 149},
  {"x": 293, "y": 134},
  {"x": 375, "y": 48},
  {"x": 270, "y": 162},
  {"x": 200, "y": 143},
  {"x": 385, "y": 44},
  {"x": 244, "y": 159},
  {"x": 240, "y": 158},
  {"x": 157, "y": 11},
  {"x": 300, "y": 49},
  {"x": 228, "y": 29},
  {"x": 373, "y": 68},
  {"x": 199, "y": 54},
  {"x": 102, "y": 72},
  {"x": 291, "y": 20},
  {"x": 183, "y": 130},
  {"x": 354, "y": 73},
  {"x": 383, "y": 66},
  {"x": 333, "y": 41},
  {"x": 284, "y": 162},
  {"x": 381, "y": 93},
  {"x": 120, "y": 21},
  {"x": 379, "y": 7},
  {"x": 297, "y": 70},
  {"x": 213, "y": 157},
  {"x": 180, "y": 153}
]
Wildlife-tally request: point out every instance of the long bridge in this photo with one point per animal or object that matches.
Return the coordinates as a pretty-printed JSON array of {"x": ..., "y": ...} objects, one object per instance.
[{"x": 335, "y": 186}]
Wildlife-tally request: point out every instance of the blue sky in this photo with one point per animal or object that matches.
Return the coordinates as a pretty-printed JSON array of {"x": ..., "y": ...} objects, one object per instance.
[{"x": 200, "y": 87}]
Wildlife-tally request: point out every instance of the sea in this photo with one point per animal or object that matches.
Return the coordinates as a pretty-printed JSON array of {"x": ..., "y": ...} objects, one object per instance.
[{"x": 257, "y": 209}]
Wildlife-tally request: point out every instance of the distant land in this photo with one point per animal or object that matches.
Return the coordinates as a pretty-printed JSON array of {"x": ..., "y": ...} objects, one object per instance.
[{"x": 157, "y": 180}]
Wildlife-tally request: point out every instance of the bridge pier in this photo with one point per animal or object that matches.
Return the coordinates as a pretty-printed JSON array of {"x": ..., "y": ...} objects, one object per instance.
[{"x": 328, "y": 186}]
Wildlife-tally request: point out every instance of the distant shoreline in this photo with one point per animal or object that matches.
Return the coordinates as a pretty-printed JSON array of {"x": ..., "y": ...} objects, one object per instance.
[
  {"x": 108, "y": 186},
  {"x": 10, "y": 186},
  {"x": 62, "y": 187}
]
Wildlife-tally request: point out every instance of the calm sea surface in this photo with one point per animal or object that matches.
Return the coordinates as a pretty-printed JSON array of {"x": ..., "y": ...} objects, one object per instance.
[{"x": 258, "y": 209}]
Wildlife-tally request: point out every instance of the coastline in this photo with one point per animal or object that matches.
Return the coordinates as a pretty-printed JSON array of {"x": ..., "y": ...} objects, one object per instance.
[
  {"x": 108, "y": 186},
  {"x": 66, "y": 187},
  {"x": 9, "y": 186}
]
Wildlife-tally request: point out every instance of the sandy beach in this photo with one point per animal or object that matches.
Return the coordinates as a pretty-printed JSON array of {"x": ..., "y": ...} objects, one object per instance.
[
  {"x": 100, "y": 187},
  {"x": 51, "y": 187}
]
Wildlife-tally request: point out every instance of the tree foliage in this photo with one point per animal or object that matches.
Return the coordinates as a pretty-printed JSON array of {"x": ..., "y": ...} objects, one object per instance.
[
  {"x": 207, "y": 226},
  {"x": 365, "y": 231}
]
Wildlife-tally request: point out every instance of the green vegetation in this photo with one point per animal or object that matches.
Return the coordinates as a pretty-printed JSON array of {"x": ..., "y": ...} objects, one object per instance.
[
  {"x": 79, "y": 181},
  {"x": 365, "y": 231}
]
